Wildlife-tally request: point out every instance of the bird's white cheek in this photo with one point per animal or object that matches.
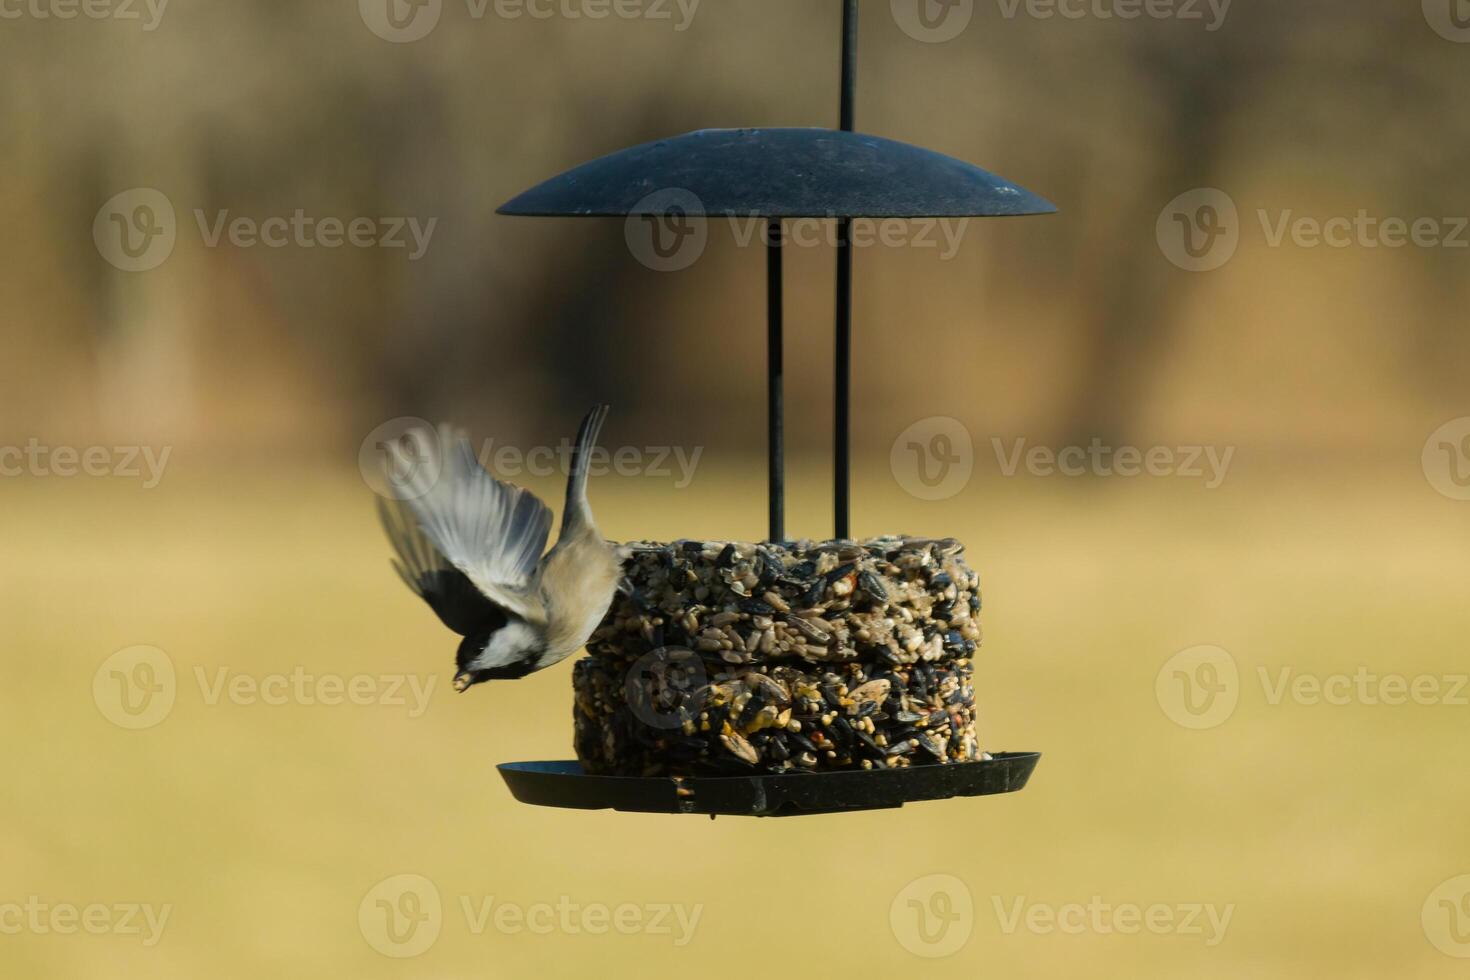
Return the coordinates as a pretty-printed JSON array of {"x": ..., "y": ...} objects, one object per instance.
[{"x": 507, "y": 646}]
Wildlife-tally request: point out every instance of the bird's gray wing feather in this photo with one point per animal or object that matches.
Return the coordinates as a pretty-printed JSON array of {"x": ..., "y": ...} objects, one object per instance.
[
  {"x": 459, "y": 604},
  {"x": 492, "y": 532}
]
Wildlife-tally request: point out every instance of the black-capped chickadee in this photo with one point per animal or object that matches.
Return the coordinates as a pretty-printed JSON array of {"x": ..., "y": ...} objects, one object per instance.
[{"x": 471, "y": 547}]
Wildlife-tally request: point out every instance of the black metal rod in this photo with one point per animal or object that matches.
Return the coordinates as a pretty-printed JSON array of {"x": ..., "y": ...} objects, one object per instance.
[
  {"x": 842, "y": 381},
  {"x": 849, "y": 63},
  {"x": 842, "y": 385},
  {"x": 775, "y": 371}
]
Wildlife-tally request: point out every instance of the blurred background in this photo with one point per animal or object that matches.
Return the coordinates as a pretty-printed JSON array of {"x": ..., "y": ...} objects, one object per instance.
[{"x": 182, "y": 418}]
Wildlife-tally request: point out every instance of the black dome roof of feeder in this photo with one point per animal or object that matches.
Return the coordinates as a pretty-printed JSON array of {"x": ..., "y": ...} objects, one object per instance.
[{"x": 780, "y": 173}]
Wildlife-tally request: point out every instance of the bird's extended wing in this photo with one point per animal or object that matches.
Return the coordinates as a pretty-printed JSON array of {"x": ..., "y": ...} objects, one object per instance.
[
  {"x": 492, "y": 532},
  {"x": 447, "y": 590}
]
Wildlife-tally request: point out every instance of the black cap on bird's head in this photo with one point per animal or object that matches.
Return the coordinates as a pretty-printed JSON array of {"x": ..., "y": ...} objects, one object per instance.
[
  {"x": 470, "y": 658},
  {"x": 465, "y": 674}
]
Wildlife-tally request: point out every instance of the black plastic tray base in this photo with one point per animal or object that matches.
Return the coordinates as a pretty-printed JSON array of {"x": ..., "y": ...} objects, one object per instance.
[{"x": 564, "y": 784}]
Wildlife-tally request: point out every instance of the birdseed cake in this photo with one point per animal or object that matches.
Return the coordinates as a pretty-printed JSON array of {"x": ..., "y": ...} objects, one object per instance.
[{"x": 723, "y": 658}]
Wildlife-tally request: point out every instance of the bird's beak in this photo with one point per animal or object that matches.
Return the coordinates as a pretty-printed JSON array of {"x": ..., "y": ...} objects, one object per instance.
[{"x": 461, "y": 682}]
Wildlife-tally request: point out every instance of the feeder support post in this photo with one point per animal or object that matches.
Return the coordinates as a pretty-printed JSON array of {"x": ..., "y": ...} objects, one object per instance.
[
  {"x": 849, "y": 64},
  {"x": 775, "y": 370},
  {"x": 842, "y": 381}
]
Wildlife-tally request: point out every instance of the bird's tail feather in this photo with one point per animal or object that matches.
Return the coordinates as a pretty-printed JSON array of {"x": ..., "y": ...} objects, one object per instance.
[{"x": 578, "y": 514}]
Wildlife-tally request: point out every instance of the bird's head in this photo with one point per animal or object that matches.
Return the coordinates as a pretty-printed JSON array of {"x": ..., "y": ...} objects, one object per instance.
[{"x": 501, "y": 654}]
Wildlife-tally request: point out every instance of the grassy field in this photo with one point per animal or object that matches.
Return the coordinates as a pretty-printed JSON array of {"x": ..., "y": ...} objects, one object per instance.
[{"x": 1321, "y": 830}]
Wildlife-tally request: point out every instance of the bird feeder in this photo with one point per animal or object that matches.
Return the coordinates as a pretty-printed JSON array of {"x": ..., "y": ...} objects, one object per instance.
[{"x": 774, "y": 175}]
